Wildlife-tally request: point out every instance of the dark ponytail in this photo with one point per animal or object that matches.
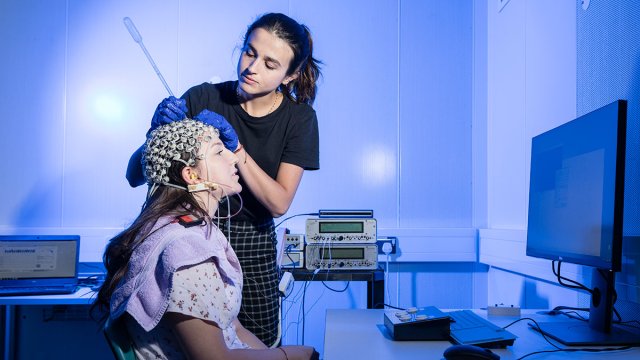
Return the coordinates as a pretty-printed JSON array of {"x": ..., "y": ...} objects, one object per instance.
[{"x": 303, "y": 88}]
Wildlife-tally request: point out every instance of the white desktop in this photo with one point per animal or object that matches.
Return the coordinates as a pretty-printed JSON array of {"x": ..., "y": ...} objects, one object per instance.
[{"x": 361, "y": 334}]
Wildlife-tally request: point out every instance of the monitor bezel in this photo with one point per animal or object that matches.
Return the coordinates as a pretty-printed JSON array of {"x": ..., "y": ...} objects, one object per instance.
[{"x": 615, "y": 263}]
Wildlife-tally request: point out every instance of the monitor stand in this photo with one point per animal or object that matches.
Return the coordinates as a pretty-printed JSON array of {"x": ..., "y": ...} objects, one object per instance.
[
  {"x": 578, "y": 333},
  {"x": 599, "y": 330}
]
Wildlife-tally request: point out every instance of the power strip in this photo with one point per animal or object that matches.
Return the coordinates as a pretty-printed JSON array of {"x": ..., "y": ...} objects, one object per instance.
[{"x": 293, "y": 242}]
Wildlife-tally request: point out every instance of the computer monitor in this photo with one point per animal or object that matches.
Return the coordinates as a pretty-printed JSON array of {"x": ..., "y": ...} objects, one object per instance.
[{"x": 576, "y": 198}]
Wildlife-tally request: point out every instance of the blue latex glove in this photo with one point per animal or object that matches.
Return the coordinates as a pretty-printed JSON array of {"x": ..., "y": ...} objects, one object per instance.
[
  {"x": 169, "y": 110},
  {"x": 228, "y": 135}
]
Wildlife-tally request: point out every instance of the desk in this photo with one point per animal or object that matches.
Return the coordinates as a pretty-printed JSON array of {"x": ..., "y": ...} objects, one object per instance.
[
  {"x": 360, "y": 334},
  {"x": 374, "y": 279},
  {"x": 84, "y": 296}
]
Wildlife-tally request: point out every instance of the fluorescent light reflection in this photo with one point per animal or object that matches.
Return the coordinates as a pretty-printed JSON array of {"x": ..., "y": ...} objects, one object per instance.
[
  {"x": 378, "y": 166},
  {"x": 107, "y": 108}
]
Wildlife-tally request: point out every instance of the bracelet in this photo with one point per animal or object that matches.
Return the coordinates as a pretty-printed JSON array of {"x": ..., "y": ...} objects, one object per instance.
[{"x": 284, "y": 352}]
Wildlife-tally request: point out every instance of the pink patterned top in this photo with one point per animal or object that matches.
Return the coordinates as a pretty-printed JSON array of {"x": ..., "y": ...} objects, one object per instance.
[
  {"x": 199, "y": 291},
  {"x": 192, "y": 271}
]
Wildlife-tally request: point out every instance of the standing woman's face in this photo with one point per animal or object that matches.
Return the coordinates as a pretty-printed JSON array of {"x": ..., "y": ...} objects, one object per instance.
[{"x": 263, "y": 63}]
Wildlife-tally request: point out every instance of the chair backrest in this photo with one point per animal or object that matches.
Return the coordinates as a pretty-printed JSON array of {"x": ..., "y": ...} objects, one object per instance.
[{"x": 115, "y": 331}]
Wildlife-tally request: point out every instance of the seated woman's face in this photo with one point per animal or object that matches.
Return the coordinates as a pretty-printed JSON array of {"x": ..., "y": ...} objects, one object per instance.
[{"x": 219, "y": 166}]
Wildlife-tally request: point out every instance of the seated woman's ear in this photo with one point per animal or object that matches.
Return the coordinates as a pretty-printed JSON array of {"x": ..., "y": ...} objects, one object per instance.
[{"x": 189, "y": 175}]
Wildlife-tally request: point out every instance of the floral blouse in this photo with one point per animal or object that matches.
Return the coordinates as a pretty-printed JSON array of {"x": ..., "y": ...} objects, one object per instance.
[{"x": 200, "y": 291}]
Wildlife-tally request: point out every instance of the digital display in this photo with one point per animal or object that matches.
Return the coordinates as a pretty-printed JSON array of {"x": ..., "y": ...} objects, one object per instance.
[
  {"x": 343, "y": 253},
  {"x": 341, "y": 227},
  {"x": 32, "y": 259}
]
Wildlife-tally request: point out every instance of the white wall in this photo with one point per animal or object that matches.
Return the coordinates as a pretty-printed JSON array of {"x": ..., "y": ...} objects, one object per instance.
[
  {"x": 531, "y": 89},
  {"x": 533, "y": 83},
  {"x": 394, "y": 107}
]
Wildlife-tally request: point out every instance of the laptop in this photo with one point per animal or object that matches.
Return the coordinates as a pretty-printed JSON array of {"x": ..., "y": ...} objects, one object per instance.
[{"x": 38, "y": 264}]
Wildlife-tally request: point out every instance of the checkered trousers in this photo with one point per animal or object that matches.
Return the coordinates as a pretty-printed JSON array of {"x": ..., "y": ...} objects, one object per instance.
[{"x": 255, "y": 246}]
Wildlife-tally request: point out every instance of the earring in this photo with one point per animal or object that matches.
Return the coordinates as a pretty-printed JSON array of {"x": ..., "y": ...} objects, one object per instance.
[{"x": 193, "y": 176}]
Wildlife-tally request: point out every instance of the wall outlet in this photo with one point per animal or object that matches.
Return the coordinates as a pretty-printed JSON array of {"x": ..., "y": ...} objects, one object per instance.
[{"x": 387, "y": 239}]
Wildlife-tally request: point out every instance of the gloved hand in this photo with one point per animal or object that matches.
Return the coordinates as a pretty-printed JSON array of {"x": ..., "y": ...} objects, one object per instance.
[
  {"x": 228, "y": 135},
  {"x": 169, "y": 110}
]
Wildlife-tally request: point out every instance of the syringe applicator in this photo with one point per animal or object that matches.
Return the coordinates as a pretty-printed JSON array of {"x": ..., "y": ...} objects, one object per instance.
[{"x": 137, "y": 38}]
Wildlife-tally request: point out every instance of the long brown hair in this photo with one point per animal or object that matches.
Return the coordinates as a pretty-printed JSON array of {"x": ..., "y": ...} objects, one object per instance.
[
  {"x": 164, "y": 201},
  {"x": 302, "y": 89}
]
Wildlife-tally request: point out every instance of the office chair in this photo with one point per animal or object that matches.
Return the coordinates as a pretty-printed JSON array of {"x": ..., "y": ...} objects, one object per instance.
[{"x": 118, "y": 339}]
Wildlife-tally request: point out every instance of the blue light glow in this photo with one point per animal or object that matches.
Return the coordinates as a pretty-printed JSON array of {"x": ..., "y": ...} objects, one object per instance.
[
  {"x": 378, "y": 166},
  {"x": 107, "y": 108}
]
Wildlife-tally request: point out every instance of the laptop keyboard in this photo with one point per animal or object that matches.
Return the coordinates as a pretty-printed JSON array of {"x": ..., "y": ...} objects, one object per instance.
[
  {"x": 39, "y": 290},
  {"x": 471, "y": 329},
  {"x": 465, "y": 319}
]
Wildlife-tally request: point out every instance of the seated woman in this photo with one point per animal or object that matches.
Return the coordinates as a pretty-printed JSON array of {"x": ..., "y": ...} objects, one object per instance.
[{"x": 172, "y": 274}]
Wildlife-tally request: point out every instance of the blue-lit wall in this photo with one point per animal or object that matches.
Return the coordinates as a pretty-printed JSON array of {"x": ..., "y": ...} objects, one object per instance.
[
  {"x": 550, "y": 62},
  {"x": 394, "y": 106},
  {"x": 609, "y": 69},
  {"x": 426, "y": 112},
  {"x": 403, "y": 82}
]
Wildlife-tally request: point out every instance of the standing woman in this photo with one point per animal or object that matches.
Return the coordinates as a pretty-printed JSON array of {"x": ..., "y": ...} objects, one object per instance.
[{"x": 273, "y": 130}]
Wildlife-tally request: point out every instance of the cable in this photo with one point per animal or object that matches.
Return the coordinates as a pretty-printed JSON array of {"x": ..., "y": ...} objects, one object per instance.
[
  {"x": 292, "y": 216},
  {"x": 279, "y": 335},
  {"x": 591, "y": 350},
  {"x": 386, "y": 248},
  {"x": 256, "y": 323},
  {"x": 576, "y": 285},
  {"x": 557, "y": 348},
  {"x": 387, "y": 305},
  {"x": 291, "y": 302},
  {"x": 304, "y": 293},
  {"x": 287, "y": 252},
  {"x": 538, "y": 328},
  {"x": 334, "y": 290},
  {"x": 295, "y": 299}
]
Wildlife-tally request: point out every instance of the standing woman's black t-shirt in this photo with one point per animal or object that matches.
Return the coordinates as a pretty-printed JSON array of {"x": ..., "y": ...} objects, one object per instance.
[{"x": 289, "y": 134}]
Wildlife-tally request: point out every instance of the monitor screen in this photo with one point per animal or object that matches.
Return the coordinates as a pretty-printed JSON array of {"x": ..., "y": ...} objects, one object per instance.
[
  {"x": 25, "y": 257},
  {"x": 576, "y": 190},
  {"x": 576, "y": 196}
]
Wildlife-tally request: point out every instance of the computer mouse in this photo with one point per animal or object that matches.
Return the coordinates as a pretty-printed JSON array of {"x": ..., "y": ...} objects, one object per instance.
[{"x": 469, "y": 352}]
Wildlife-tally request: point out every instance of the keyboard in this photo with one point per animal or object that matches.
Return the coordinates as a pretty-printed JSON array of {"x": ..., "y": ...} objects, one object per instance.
[
  {"x": 39, "y": 290},
  {"x": 468, "y": 328}
]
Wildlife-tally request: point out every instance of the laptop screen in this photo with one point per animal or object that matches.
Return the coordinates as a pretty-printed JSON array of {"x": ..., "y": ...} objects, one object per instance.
[{"x": 25, "y": 257}]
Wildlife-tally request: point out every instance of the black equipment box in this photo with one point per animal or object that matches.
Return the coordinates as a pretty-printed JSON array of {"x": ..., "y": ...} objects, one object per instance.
[{"x": 427, "y": 323}]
